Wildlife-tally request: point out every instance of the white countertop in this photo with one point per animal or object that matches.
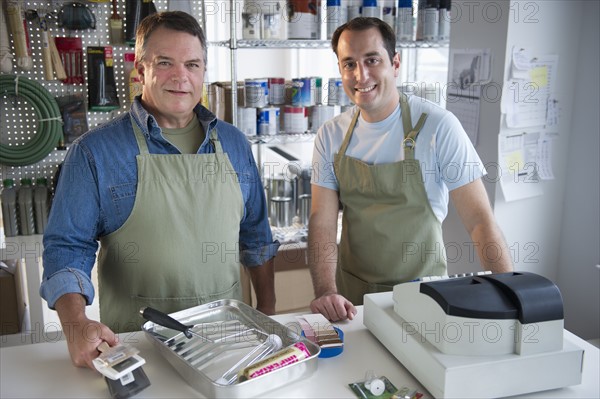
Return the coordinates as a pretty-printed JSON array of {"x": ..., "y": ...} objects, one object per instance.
[{"x": 45, "y": 371}]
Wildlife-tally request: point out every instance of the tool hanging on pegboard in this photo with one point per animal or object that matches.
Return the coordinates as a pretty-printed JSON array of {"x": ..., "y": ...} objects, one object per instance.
[
  {"x": 6, "y": 56},
  {"x": 18, "y": 28}
]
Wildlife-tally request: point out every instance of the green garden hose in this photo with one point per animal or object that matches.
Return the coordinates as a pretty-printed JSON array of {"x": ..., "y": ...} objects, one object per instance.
[{"x": 49, "y": 132}]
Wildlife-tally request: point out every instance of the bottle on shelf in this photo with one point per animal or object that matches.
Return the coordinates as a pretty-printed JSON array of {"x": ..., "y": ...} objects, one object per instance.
[
  {"x": 9, "y": 208},
  {"x": 444, "y": 21},
  {"x": 354, "y": 8},
  {"x": 25, "y": 206},
  {"x": 337, "y": 14},
  {"x": 405, "y": 21},
  {"x": 428, "y": 20},
  {"x": 41, "y": 200},
  {"x": 388, "y": 10},
  {"x": 371, "y": 9}
]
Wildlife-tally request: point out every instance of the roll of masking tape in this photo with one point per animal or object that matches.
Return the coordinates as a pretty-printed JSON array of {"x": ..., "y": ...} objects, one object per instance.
[{"x": 376, "y": 387}]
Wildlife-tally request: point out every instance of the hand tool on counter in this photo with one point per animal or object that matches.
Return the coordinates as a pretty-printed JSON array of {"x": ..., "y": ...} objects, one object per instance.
[
  {"x": 122, "y": 368},
  {"x": 163, "y": 319}
]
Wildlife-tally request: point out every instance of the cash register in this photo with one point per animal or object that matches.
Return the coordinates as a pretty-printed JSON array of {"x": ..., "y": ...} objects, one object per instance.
[{"x": 480, "y": 335}]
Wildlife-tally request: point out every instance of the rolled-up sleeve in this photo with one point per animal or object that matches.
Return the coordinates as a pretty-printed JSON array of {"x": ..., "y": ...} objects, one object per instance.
[{"x": 66, "y": 281}]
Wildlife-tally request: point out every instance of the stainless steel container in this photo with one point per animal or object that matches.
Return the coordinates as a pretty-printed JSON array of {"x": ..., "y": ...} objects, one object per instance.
[
  {"x": 304, "y": 203},
  {"x": 281, "y": 186},
  {"x": 280, "y": 211},
  {"x": 231, "y": 330}
]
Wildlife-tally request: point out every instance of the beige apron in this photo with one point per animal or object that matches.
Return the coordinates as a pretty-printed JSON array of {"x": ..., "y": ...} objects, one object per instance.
[
  {"x": 389, "y": 231},
  {"x": 179, "y": 247}
]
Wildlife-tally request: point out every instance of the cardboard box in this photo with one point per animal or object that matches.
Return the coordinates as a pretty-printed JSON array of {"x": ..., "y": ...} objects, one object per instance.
[
  {"x": 219, "y": 98},
  {"x": 9, "y": 310}
]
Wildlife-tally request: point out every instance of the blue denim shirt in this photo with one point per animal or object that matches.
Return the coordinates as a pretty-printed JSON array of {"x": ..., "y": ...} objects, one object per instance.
[{"x": 97, "y": 188}]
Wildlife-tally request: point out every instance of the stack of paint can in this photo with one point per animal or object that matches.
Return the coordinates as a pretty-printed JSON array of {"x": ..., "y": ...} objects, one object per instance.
[{"x": 273, "y": 105}]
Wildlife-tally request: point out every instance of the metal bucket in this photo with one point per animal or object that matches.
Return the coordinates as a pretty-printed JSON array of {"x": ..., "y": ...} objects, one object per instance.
[
  {"x": 283, "y": 187},
  {"x": 280, "y": 211}
]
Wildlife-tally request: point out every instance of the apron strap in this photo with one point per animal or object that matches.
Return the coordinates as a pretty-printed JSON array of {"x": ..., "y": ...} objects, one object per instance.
[
  {"x": 410, "y": 133},
  {"x": 139, "y": 137},
  {"x": 214, "y": 140},
  {"x": 349, "y": 133}
]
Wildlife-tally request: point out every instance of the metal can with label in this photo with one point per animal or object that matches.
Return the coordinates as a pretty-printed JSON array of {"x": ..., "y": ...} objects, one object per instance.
[
  {"x": 267, "y": 121},
  {"x": 295, "y": 119},
  {"x": 303, "y": 92},
  {"x": 335, "y": 93},
  {"x": 247, "y": 120},
  {"x": 256, "y": 92},
  {"x": 276, "y": 91}
]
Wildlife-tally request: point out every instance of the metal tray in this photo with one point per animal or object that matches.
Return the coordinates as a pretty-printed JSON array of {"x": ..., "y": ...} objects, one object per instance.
[{"x": 234, "y": 332}]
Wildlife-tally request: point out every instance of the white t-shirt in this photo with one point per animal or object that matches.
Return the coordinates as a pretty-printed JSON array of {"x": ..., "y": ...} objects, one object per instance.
[{"x": 447, "y": 158}]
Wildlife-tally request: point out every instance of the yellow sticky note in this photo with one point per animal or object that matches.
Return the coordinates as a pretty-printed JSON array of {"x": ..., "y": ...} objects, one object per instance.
[
  {"x": 514, "y": 161},
  {"x": 539, "y": 76}
]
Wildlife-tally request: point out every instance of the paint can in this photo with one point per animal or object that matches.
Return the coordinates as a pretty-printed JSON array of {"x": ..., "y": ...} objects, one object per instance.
[
  {"x": 320, "y": 114},
  {"x": 276, "y": 91},
  {"x": 257, "y": 92},
  {"x": 335, "y": 93},
  {"x": 295, "y": 119},
  {"x": 304, "y": 19},
  {"x": 304, "y": 92},
  {"x": 251, "y": 25},
  {"x": 246, "y": 118},
  {"x": 267, "y": 121}
]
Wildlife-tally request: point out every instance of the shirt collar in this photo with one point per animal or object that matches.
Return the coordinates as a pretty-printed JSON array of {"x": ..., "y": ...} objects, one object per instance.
[{"x": 150, "y": 127}]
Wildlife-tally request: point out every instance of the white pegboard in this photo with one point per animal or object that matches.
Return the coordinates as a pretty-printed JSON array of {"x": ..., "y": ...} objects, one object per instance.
[{"x": 18, "y": 123}]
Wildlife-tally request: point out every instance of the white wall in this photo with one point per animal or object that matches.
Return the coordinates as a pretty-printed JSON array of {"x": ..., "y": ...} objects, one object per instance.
[
  {"x": 533, "y": 226},
  {"x": 579, "y": 249},
  {"x": 472, "y": 28}
]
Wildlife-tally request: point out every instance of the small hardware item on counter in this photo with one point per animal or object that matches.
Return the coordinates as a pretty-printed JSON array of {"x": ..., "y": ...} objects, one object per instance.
[
  {"x": 102, "y": 90},
  {"x": 122, "y": 368},
  {"x": 289, "y": 355},
  {"x": 316, "y": 328},
  {"x": 381, "y": 388}
]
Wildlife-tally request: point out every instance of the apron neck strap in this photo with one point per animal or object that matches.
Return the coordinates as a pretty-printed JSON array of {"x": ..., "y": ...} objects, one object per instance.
[
  {"x": 349, "y": 132},
  {"x": 214, "y": 140},
  {"x": 410, "y": 132},
  {"x": 139, "y": 137}
]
